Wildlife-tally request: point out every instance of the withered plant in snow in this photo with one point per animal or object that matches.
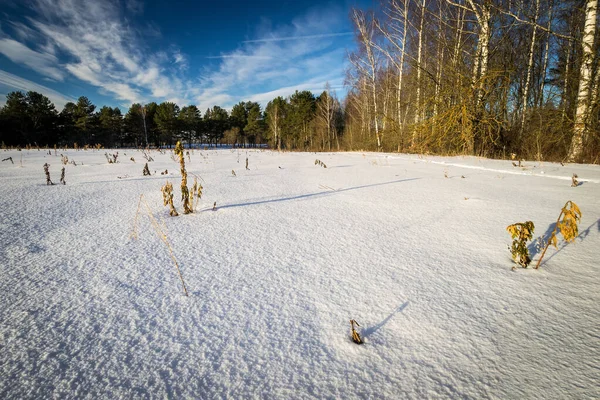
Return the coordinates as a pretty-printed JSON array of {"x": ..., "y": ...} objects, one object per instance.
[
  {"x": 167, "y": 192},
  {"x": 47, "y": 171},
  {"x": 571, "y": 215},
  {"x": 185, "y": 194},
  {"x": 355, "y": 336},
  {"x": 521, "y": 232}
]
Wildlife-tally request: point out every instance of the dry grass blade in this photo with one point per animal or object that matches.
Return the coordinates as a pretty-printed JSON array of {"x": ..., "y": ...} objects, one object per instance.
[{"x": 161, "y": 234}]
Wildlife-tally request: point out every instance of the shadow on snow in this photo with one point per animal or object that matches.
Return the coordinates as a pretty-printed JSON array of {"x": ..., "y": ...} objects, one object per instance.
[
  {"x": 317, "y": 194},
  {"x": 537, "y": 245},
  {"x": 372, "y": 329}
]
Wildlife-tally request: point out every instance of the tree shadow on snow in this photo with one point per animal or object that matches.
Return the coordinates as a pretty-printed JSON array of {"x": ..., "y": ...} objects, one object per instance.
[
  {"x": 372, "y": 329},
  {"x": 317, "y": 194},
  {"x": 534, "y": 248}
]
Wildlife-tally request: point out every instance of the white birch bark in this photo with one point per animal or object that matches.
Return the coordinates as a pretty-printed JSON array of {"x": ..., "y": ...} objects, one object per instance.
[
  {"x": 366, "y": 36},
  {"x": 583, "y": 93},
  {"x": 419, "y": 59},
  {"x": 540, "y": 101},
  {"x": 529, "y": 71}
]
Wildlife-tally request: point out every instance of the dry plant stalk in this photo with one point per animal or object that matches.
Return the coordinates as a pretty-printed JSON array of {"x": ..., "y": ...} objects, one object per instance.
[
  {"x": 571, "y": 215},
  {"x": 146, "y": 154},
  {"x": 167, "y": 192},
  {"x": 355, "y": 336},
  {"x": 521, "y": 232},
  {"x": 62, "y": 176},
  {"x": 574, "y": 183},
  {"x": 214, "y": 206},
  {"x": 247, "y": 164},
  {"x": 321, "y": 163},
  {"x": 9, "y": 158},
  {"x": 146, "y": 171},
  {"x": 185, "y": 194},
  {"x": 47, "y": 171},
  {"x": 196, "y": 192},
  {"x": 160, "y": 233},
  {"x": 233, "y": 173}
]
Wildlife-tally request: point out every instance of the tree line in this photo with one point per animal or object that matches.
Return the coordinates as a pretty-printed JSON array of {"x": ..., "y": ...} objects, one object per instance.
[
  {"x": 480, "y": 77},
  {"x": 492, "y": 78},
  {"x": 300, "y": 121}
]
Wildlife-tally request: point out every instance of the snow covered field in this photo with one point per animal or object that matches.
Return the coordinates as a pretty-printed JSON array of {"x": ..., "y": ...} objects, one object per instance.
[{"x": 293, "y": 252}]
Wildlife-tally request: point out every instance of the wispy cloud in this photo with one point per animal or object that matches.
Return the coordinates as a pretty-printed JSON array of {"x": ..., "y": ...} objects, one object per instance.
[
  {"x": 104, "y": 50},
  {"x": 303, "y": 55},
  {"x": 100, "y": 46},
  {"x": 135, "y": 6},
  {"x": 315, "y": 86},
  {"x": 278, "y": 39},
  {"x": 180, "y": 59},
  {"x": 13, "y": 82},
  {"x": 43, "y": 63},
  {"x": 241, "y": 56}
]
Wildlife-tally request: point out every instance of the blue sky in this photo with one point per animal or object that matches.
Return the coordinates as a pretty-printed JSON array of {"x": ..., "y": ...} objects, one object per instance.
[{"x": 190, "y": 52}]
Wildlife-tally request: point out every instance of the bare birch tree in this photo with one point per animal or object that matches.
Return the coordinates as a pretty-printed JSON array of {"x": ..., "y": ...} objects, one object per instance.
[{"x": 583, "y": 94}]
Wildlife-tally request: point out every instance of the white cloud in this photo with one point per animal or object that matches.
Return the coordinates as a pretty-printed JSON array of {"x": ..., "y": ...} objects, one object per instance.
[
  {"x": 135, "y": 6},
  {"x": 277, "y": 63},
  {"x": 179, "y": 58},
  {"x": 319, "y": 36},
  {"x": 316, "y": 86},
  {"x": 103, "y": 49},
  {"x": 241, "y": 56},
  {"x": 43, "y": 63},
  {"x": 13, "y": 82},
  {"x": 84, "y": 72},
  {"x": 124, "y": 92}
]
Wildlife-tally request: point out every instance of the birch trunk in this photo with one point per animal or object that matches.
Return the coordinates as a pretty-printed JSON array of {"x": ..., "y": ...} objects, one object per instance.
[
  {"x": 440, "y": 62},
  {"x": 540, "y": 101},
  {"x": 583, "y": 94},
  {"x": 483, "y": 44},
  {"x": 457, "y": 51},
  {"x": 365, "y": 30},
  {"x": 419, "y": 58},
  {"x": 529, "y": 70}
]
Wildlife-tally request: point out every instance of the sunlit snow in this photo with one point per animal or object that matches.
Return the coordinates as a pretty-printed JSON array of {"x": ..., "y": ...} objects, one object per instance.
[{"x": 291, "y": 254}]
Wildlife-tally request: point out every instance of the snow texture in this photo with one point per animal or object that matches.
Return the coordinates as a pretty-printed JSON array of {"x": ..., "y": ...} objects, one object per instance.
[{"x": 292, "y": 253}]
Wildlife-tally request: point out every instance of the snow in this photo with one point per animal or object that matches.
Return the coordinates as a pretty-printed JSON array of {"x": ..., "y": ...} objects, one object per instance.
[{"x": 292, "y": 253}]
